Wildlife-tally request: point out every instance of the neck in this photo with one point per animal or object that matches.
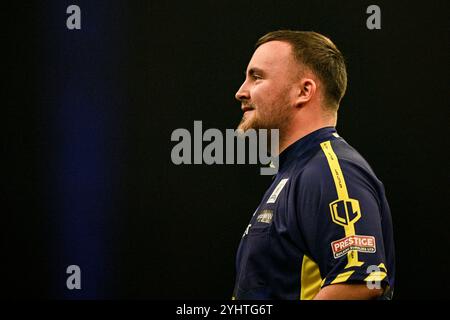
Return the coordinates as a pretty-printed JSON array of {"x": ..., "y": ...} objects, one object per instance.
[{"x": 304, "y": 124}]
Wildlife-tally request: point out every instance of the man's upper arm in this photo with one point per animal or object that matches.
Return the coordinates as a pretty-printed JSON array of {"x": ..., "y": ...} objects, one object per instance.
[{"x": 341, "y": 210}]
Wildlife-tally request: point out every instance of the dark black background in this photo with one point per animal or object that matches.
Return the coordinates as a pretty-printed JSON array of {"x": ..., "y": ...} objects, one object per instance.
[{"x": 146, "y": 228}]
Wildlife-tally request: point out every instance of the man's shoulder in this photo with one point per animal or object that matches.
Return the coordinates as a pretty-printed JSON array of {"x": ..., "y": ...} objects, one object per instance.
[{"x": 332, "y": 155}]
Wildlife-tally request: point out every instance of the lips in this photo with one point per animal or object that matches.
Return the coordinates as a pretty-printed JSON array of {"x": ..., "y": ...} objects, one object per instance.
[{"x": 247, "y": 108}]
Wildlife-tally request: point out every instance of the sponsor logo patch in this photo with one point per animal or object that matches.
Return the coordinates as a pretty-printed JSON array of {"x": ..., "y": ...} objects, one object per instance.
[
  {"x": 365, "y": 244},
  {"x": 345, "y": 212},
  {"x": 265, "y": 216}
]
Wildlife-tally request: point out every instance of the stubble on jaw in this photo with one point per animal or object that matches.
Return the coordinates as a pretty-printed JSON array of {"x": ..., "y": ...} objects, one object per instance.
[{"x": 278, "y": 119}]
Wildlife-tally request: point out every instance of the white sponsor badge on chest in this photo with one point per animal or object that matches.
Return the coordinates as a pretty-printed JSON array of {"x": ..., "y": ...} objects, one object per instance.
[{"x": 273, "y": 197}]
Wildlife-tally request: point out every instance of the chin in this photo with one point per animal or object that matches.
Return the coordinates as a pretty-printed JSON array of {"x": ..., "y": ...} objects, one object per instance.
[{"x": 246, "y": 125}]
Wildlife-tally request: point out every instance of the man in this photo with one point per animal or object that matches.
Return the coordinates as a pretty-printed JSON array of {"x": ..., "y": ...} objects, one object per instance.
[{"x": 323, "y": 229}]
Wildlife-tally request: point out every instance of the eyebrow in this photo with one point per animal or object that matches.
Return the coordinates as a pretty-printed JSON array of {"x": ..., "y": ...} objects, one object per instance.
[{"x": 254, "y": 70}]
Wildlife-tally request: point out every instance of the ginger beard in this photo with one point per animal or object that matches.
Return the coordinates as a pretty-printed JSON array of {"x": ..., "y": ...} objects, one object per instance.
[
  {"x": 266, "y": 117},
  {"x": 277, "y": 117}
]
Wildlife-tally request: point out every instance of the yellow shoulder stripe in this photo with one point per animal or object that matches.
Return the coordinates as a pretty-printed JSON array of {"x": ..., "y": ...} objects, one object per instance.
[
  {"x": 344, "y": 203},
  {"x": 336, "y": 171}
]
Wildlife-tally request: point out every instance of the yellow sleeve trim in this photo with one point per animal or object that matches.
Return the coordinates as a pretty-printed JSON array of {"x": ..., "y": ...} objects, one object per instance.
[
  {"x": 376, "y": 276},
  {"x": 343, "y": 277}
]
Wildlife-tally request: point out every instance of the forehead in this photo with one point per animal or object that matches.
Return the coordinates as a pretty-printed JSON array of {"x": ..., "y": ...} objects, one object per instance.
[{"x": 273, "y": 55}]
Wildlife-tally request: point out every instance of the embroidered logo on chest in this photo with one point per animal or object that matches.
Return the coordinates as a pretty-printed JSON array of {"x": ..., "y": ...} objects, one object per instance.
[{"x": 265, "y": 216}]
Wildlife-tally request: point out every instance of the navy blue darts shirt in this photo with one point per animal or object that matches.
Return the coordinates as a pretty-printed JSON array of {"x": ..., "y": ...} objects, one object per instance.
[{"x": 324, "y": 220}]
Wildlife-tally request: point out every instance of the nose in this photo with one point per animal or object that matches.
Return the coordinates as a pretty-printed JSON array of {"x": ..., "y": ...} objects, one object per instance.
[{"x": 243, "y": 93}]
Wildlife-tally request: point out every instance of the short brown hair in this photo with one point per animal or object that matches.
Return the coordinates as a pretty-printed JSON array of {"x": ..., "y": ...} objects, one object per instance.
[{"x": 319, "y": 54}]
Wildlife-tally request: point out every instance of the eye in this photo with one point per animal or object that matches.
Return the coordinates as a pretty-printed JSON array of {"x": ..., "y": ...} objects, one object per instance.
[{"x": 256, "y": 77}]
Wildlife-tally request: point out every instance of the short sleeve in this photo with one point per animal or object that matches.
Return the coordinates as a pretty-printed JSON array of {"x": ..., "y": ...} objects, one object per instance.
[{"x": 339, "y": 210}]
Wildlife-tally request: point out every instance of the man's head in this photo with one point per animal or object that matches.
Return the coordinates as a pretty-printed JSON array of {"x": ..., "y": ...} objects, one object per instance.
[{"x": 289, "y": 71}]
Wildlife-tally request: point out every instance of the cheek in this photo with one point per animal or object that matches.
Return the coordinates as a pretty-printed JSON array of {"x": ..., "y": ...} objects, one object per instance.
[{"x": 263, "y": 95}]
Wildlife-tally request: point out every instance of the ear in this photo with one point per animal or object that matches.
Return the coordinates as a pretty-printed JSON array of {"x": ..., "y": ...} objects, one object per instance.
[{"x": 306, "y": 89}]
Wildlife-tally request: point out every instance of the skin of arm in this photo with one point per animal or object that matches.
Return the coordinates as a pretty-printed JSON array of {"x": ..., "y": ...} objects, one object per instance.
[{"x": 345, "y": 291}]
